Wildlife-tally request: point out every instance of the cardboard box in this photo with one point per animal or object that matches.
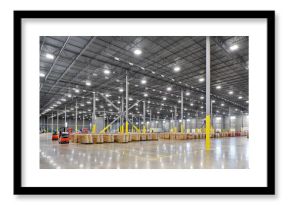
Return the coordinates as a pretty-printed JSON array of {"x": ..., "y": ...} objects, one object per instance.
[
  {"x": 166, "y": 135},
  {"x": 154, "y": 136},
  {"x": 161, "y": 135},
  {"x": 108, "y": 138},
  {"x": 172, "y": 135},
  {"x": 97, "y": 138},
  {"x": 148, "y": 136},
  {"x": 143, "y": 136},
  {"x": 135, "y": 137},
  {"x": 122, "y": 138}
]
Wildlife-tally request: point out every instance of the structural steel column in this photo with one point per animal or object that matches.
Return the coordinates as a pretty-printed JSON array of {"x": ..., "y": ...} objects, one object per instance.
[
  {"x": 83, "y": 121},
  {"x": 76, "y": 122},
  {"x": 175, "y": 118},
  {"x": 150, "y": 120},
  {"x": 208, "y": 101},
  {"x": 94, "y": 127},
  {"x": 65, "y": 123},
  {"x": 144, "y": 117},
  {"x": 181, "y": 125},
  {"x": 56, "y": 121},
  {"x": 132, "y": 122},
  {"x": 52, "y": 122},
  {"x": 122, "y": 117},
  {"x": 46, "y": 123},
  {"x": 127, "y": 101},
  {"x": 211, "y": 120},
  {"x": 230, "y": 120},
  {"x": 171, "y": 122}
]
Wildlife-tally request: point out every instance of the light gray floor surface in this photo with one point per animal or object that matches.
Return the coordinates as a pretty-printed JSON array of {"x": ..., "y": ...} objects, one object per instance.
[{"x": 225, "y": 153}]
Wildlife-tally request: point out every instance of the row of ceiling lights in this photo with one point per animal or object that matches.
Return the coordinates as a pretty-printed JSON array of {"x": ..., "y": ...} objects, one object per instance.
[{"x": 143, "y": 81}]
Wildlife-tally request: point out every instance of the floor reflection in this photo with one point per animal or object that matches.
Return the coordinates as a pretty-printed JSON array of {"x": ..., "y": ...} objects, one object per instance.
[{"x": 225, "y": 153}]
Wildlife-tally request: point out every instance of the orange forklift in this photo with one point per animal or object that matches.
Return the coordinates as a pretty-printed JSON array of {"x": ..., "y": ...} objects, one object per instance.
[
  {"x": 54, "y": 136},
  {"x": 63, "y": 138}
]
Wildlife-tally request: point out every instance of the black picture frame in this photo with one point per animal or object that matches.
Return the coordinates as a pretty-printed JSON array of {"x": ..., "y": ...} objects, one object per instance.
[{"x": 268, "y": 190}]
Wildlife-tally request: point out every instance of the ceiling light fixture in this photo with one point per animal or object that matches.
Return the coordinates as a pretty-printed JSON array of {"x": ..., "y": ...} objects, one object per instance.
[
  {"x": 107, "y": 72},
  {"x": 143, "y": 81},
  {"x": 176, "y": 69},
  {"x": 164, "y": 98},
  {"x": 168, "y": 88},
  {"x": 145, "y": 95},
  {"x": 201, "y": 79},
  {"x": 231, "y": 92},
  {"x": 234, "y": 47},
  {"x": 218, "y": 87},
  {"x": 137, "y": 52},
  {"x": 117, "y": 59},
  {"x": 88, "y": 83},
  {"x": 187, "y": 93},
  {"x": 240, "y": 97},
  {"x": 49, "y": 56},
  {"x": 121, "y": 90},
  {"x": 131, "y": 64},
  {"x": 42, "y": 75}
]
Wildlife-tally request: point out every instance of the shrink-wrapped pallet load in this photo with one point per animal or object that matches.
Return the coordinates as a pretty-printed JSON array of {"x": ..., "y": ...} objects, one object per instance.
[
  {"x": 161, "y": 135},
  {"x": 108, "y": 138},
  {"x": 143, "y": 136},
  {"x": 115, "y": 136},
  {"x": 198, "y": 135},
  {"x": 148, "y": 136},
  {"x": 84, "y": 139},
  {"x": 79, "y": 138},
  {"x": 75, "y": 138},
  {"x": 190, "y": 136},
  {"x": 166, "y": 135},
  {"x": 172, "y": 135},
  {"x": 122, "y": 138},
  {"x": 178, "y": 136},
  {"x": 129, "y": 137},
  {"x": 97, "y": 138},
  {"x": 135, "y": 136},
  {"x": 154, "y": 136}
]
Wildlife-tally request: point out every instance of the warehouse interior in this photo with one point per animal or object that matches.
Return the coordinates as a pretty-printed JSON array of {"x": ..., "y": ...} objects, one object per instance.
[{"x": 144, "y": 102}]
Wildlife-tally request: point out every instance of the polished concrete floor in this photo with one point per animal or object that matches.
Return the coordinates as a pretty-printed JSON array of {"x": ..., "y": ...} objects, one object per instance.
[{"x": 225, "y": 153}]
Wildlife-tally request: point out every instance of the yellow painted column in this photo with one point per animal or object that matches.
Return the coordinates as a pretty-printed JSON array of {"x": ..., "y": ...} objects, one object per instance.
[
  {"x": 181, "y": 127},
  {"x": 207, "y": 136},
  {"x": 94, "y": 129},
  {"x": 127, "y": 127}
]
